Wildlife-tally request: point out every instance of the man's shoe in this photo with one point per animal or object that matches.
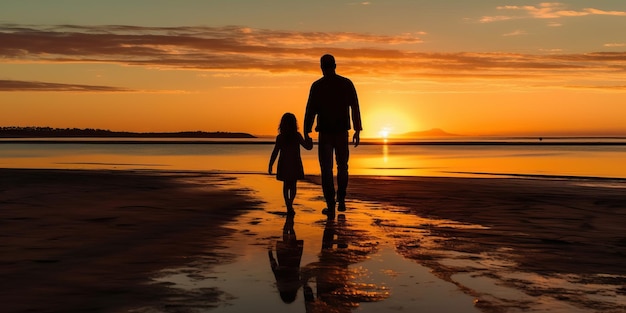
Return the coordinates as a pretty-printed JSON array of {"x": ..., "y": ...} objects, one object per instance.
[{"x": 341, "y": 207}]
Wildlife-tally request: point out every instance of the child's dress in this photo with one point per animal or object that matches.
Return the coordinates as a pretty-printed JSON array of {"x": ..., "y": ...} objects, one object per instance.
[{"x": 289, "y": 166}]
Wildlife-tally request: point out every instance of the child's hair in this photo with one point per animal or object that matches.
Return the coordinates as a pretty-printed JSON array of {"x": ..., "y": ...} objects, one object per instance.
[{"x": 288, "y": 124}]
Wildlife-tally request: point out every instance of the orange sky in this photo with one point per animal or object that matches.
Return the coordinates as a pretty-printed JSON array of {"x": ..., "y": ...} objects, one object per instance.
[{"x": 528, "y": 68}]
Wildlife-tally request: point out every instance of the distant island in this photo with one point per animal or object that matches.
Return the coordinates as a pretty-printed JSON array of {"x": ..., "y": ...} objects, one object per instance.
[
  {"x": 49, "y": 132},
  {"x": 435, "y": 132}
]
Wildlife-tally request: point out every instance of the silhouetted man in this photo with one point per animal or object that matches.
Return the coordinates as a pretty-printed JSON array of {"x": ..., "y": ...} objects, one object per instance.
[{"x": 332, "y": 98}]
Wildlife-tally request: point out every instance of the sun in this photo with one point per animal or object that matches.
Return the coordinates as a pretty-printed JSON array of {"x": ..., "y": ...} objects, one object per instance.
[
  {"x": 384, "y": 133},
  {"x": 388, "y": 123}
]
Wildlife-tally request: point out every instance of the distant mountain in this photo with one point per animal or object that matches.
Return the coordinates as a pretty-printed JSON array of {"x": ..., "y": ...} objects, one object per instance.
[
  {"x": 48, "y": 132},
  {"x": 435, "y": 132}
]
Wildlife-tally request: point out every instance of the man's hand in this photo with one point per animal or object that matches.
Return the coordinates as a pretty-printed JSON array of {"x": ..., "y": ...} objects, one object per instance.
[{"x": 356, "y": 139}]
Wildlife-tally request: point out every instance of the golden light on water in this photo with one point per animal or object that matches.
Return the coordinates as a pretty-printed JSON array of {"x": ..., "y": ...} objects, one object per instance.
[{"x": 385, "y": 152}]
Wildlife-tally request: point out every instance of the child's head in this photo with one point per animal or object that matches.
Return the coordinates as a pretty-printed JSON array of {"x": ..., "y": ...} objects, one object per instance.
[{"x": 288, "y": 124}]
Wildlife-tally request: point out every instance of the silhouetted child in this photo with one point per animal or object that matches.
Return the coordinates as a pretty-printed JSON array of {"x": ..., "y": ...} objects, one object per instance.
[{"x": 287, "y": 148}]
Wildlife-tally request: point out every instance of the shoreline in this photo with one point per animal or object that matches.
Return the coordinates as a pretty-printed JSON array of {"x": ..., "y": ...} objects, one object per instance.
[
  {"x": 261, "y": 141},
  {"x": 543, "y": 177}
]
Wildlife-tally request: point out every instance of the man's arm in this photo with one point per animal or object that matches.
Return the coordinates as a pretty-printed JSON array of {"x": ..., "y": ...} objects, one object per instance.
[
  {"x": 356, "y": 138},
  {"x": 356, "y": 118}
]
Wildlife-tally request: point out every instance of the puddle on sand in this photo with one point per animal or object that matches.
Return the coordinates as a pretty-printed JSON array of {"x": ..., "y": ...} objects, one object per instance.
[
  {"x": 346, "y": 265},
  {"x": 352, "y": 264}
]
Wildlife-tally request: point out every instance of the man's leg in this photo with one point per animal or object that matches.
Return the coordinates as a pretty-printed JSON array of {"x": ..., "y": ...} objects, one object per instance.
[
  {"x": 325, "y": 155},
  {"x": 342, "y": 155}
]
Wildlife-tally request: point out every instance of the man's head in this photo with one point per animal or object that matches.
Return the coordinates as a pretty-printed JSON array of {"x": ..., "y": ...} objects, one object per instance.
[{"x": 327, "y": 63}]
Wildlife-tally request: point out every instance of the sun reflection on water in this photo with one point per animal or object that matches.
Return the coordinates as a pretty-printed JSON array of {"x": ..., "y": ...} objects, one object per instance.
[{"x": 385, "y": 152}]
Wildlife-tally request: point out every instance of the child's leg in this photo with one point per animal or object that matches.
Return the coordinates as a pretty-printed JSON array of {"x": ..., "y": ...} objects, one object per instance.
[
  {"x": 294, "y": 190},
  {"x": 286, "y": 185},
  {"x": 289, "y": 192}
]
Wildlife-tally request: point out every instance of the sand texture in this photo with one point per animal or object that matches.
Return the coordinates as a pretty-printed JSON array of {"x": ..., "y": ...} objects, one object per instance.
[{"x": 92, "y": 241}]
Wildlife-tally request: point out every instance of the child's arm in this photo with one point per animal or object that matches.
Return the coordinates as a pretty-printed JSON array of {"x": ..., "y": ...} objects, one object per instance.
[{"x": 273, "y": 158}]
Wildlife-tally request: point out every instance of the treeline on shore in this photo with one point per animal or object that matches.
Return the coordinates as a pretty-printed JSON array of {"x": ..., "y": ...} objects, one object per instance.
[{"x": 45, "y": 132}]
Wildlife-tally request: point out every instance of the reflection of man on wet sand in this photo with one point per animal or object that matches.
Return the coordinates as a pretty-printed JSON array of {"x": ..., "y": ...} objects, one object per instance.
[
  {"x": 286, "y": 265},
  {"x": 335, "y": 292}
]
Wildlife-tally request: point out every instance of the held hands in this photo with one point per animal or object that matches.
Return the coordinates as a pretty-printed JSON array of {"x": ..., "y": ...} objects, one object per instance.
[
  {"x": 356, "y": 138},
  {"x": 308, "y": 141}
]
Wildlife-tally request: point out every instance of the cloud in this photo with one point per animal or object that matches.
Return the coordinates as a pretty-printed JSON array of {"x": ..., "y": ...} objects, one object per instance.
[
  {"x": 601, "y": 12},
  {"x": 515, "y": 33},
  {"x": 615, "y": 45},
  {"x": 545, "y": 10},
  {"x": 555, "y": 50},
  {"x": 600, "y": 87},
  {"x": 17, "y": 85},
  {"x": 491, "y": 19},
  {"x": 236, "y": 49},
  {"x": 229, "y": 47}
]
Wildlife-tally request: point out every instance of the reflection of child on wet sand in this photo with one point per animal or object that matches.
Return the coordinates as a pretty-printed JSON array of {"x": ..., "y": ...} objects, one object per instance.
[
  {"x": 287, "y": 148},
  {"x": 286, "y": 265}
]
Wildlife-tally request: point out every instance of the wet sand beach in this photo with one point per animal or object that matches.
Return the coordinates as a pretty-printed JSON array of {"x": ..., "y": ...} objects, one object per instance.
[
  {"x": 89, "y": 241},
  {"x": 560, "y": 226},
  {"x": 124, "y": 241},
  {"x": 561, "y": 239}
]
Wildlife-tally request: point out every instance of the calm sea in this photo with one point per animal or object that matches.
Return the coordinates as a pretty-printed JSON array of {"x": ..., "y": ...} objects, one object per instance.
[{"x": 531, "y": 157}]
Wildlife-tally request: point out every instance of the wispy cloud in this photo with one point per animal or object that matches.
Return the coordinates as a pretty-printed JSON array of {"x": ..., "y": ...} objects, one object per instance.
[
  {"x": 515, "y": 33},
  {"x": 17, "y": 85},
  {"x": 555, "y": 50},
  {"x": 236, "y": 49},
  {"x": 602, "y": 87},
  {"x": 498, "y": 18},
  {"x": 182, "y": 47},
  {"x": 545, "y": 10}
]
